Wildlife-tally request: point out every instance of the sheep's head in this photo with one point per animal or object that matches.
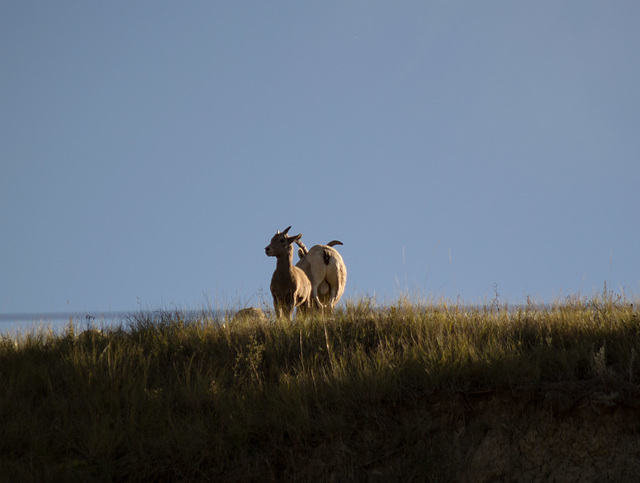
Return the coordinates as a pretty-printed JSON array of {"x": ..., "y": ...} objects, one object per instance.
[{"x": 281, "y": 244}]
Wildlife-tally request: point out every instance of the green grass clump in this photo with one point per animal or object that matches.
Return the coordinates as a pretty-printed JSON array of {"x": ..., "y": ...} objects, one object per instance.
[{"x": 170, "y": 397}]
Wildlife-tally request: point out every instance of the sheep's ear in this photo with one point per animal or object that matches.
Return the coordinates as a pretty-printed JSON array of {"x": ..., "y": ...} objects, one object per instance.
[
  {"x": 293, "y": 239},
  {"x": 286, "y": 230}
]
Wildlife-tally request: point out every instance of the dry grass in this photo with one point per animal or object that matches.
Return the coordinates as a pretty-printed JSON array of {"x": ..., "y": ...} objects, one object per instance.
[{"x": 163, "y": 397}]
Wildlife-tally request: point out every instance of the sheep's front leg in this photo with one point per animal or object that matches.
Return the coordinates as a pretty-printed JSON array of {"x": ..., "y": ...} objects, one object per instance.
[{"x": 280, "y": 308}]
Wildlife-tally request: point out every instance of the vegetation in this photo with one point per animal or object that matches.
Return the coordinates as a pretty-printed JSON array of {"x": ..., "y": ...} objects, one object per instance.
[{"x": 166, "y": 397}]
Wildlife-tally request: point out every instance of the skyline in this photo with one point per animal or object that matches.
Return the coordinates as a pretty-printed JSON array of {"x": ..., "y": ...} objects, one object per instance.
[{"x": 148, "y": 152}]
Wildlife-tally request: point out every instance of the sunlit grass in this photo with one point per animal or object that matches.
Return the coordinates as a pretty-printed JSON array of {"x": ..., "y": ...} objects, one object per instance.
[{"x": 177, "y": 395}]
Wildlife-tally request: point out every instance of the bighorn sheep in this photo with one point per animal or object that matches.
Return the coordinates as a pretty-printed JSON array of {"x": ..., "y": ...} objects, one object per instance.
[
  {"x": 326, "y": 270},
  {"x": 290, "y": 286}
]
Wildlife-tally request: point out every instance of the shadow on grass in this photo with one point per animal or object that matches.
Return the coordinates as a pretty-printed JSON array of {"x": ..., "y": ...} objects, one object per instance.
[{"x": 173, "y": 395}]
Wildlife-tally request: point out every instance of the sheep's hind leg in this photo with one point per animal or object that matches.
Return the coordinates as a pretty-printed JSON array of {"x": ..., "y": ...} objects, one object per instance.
[
  {"x": 333, "y": 294},
  {"x": 313, "y": 298}
]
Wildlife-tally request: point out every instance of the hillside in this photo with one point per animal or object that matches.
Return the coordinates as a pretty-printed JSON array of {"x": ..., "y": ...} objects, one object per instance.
[{"x": 408, "y": 392}]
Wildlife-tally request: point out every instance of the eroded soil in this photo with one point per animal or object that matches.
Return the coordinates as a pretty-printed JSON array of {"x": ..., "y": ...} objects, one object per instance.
[
  {"x": 586, "y": 432},
  {"x": 578, "y": 432}
]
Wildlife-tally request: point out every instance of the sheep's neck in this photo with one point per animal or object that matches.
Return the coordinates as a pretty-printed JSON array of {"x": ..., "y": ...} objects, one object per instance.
[{"x": 284, "y": 265}]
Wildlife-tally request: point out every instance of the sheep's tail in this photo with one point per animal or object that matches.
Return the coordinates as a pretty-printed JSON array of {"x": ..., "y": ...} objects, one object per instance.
[{"x": 326, "y": 255}]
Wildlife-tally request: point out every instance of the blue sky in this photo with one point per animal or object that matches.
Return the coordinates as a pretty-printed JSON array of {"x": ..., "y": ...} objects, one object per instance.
[{"x": 149, "y": 150}]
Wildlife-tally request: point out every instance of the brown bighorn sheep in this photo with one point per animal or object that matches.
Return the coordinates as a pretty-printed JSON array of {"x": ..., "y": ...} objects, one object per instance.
[
  {"x": 290, "y": 286},
  {"x": 326, "y": 270}
]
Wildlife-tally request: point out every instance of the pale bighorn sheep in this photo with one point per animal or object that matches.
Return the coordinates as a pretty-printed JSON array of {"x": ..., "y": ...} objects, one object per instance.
[
  {"x": 290, "y": 286},
  {"x": 326, "y": 270}
]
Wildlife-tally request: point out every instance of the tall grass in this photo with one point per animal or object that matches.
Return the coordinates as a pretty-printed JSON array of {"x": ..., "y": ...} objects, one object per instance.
[{"x": 170, "y": 397}]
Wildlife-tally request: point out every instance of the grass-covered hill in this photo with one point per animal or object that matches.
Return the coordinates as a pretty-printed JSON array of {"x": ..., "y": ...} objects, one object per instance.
[{"x": 408, "y": 392}]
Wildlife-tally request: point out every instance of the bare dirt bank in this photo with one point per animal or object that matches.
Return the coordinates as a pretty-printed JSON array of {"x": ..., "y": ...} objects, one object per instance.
[
  {"x": 586, "y": 432},
  {"x": 577, "y": 432}
]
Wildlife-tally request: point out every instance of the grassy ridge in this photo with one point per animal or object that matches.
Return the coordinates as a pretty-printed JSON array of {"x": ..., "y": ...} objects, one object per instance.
[{"x": 175, "y": 399}]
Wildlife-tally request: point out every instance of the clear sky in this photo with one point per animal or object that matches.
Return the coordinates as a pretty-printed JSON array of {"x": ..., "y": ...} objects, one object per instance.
[{"x": 149, "y": 150}]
